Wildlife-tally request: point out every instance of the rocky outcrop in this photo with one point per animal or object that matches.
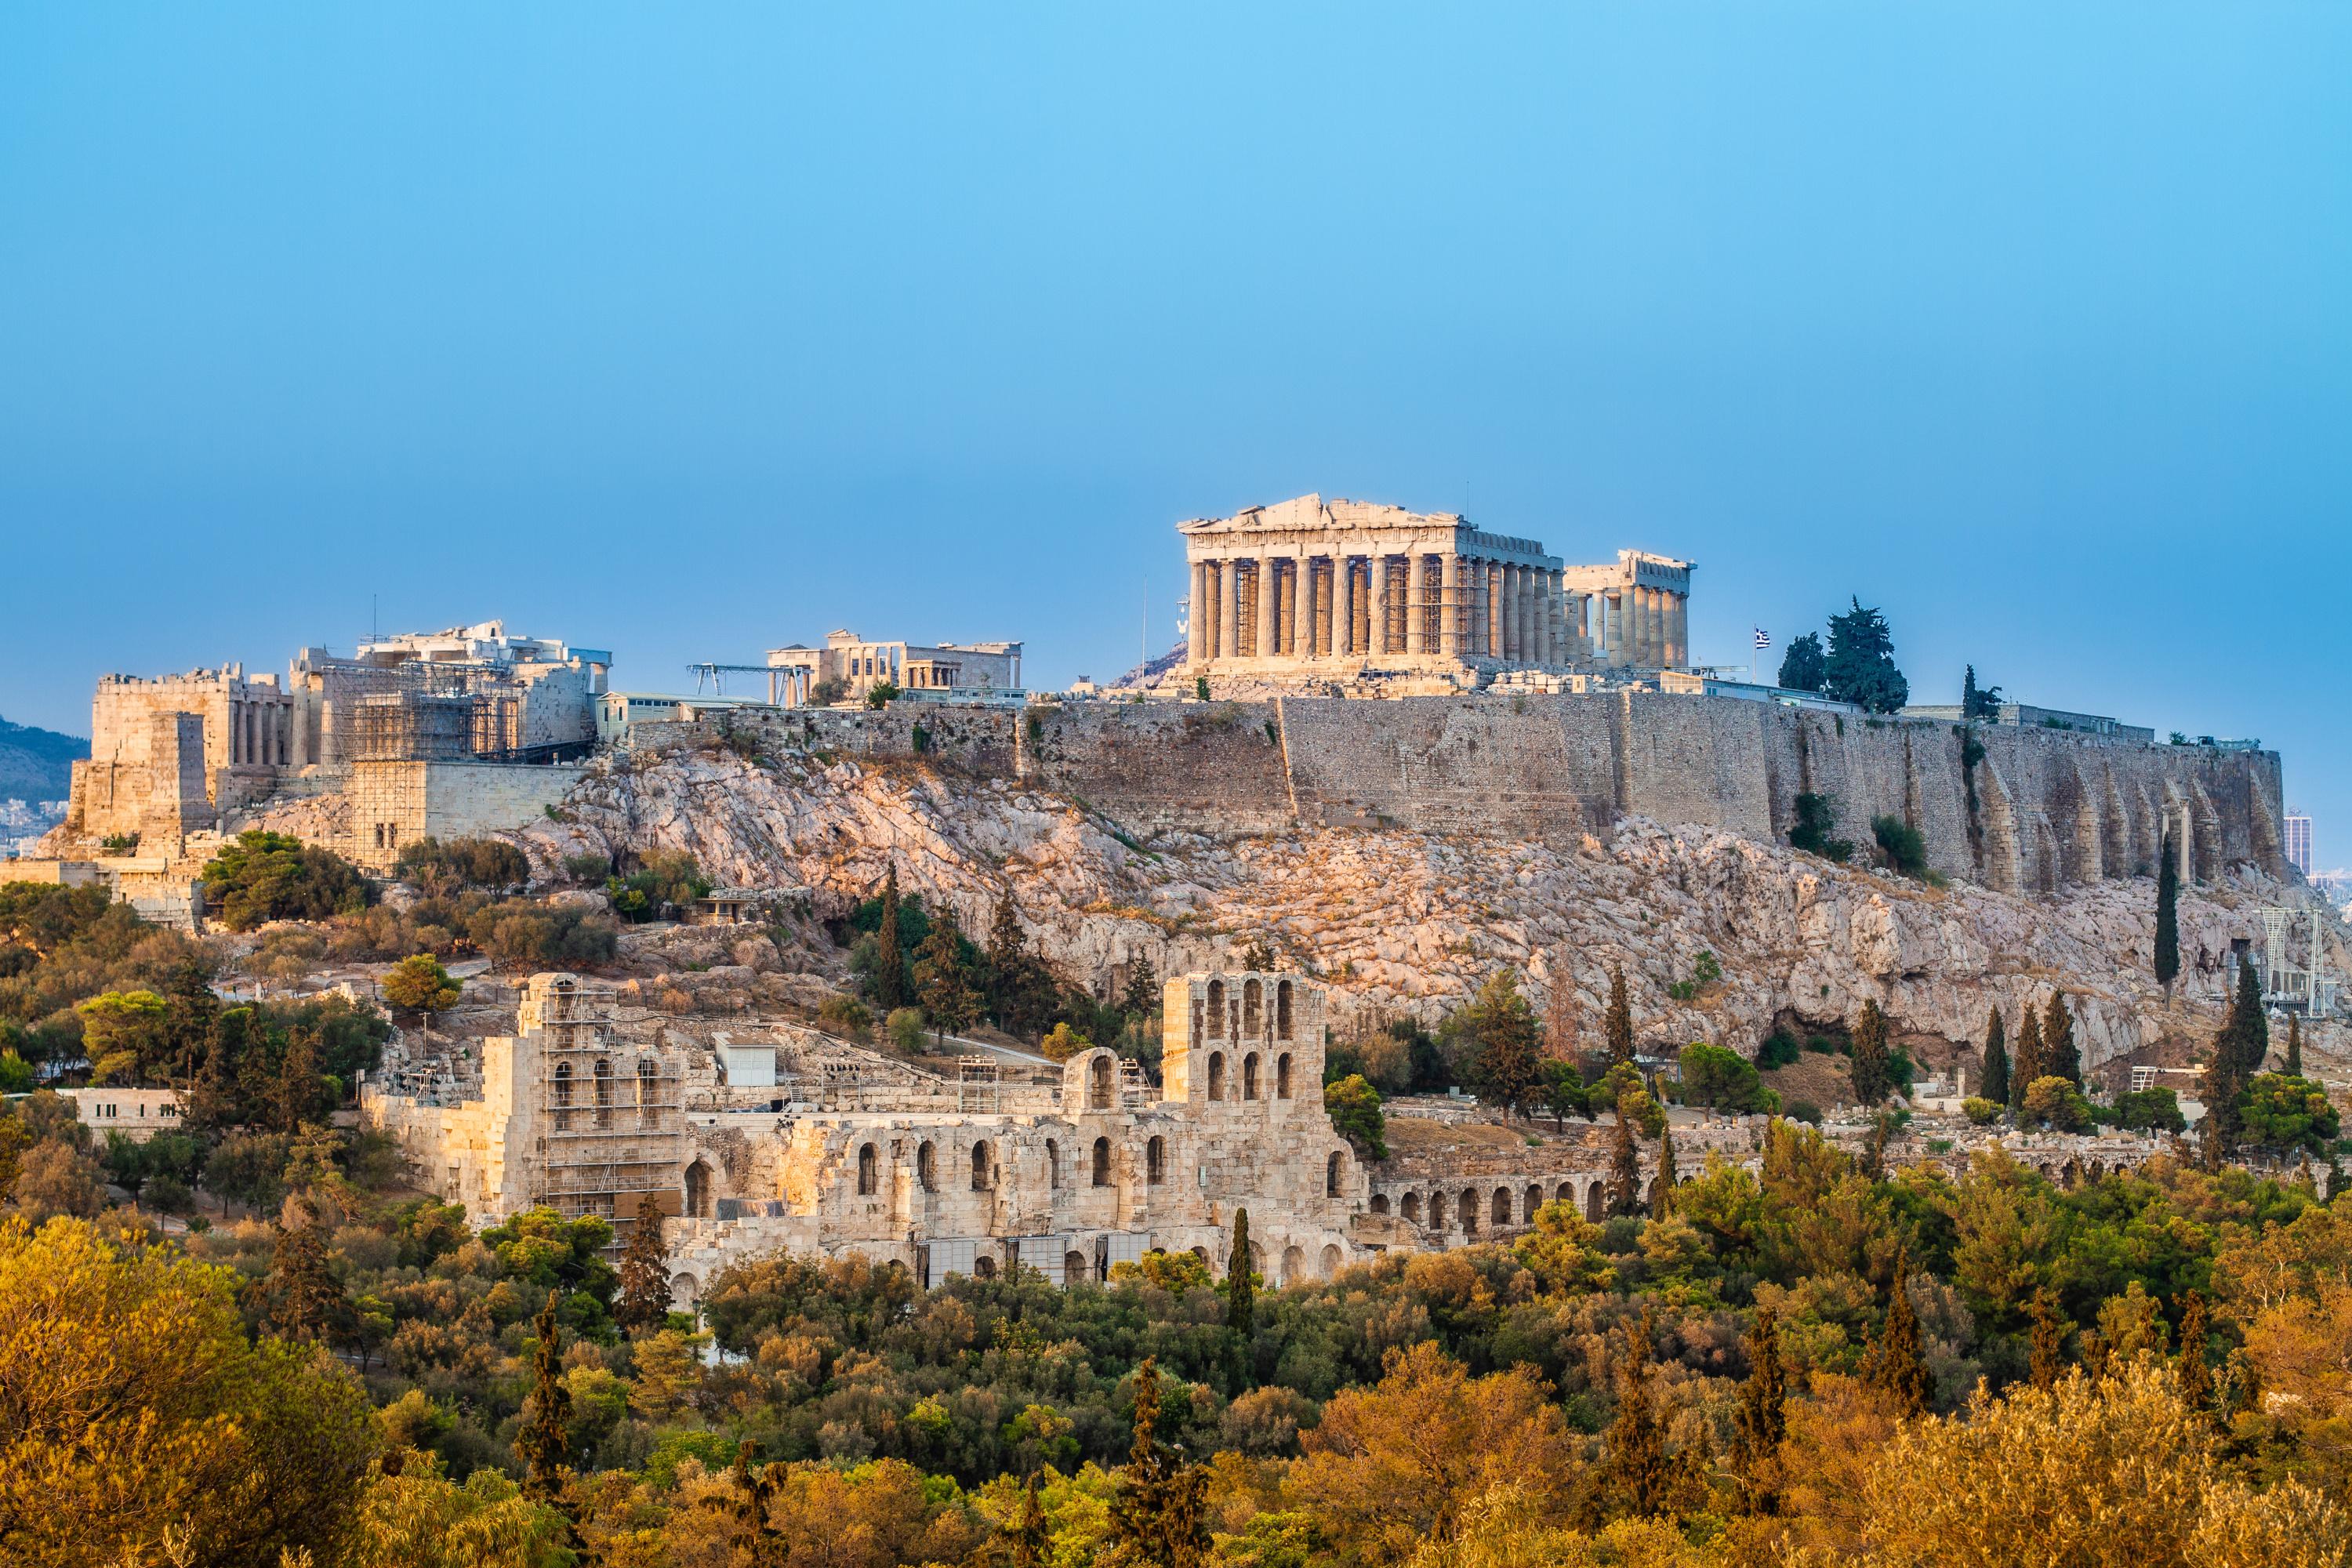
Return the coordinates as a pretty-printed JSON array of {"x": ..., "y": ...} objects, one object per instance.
[{"x": 1402, "y": 921}]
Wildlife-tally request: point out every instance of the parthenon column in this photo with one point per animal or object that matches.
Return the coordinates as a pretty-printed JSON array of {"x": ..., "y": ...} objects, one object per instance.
[
  {"x": 1657, "y": 628},
  {"x": 1229, "y": 607},
  {"x": 1615, "y": 606},
  {"x": 1416, "y": 602},
  {"x": 1678, "y": 630},
  {"x": 1530, "y": 629},
  {"x": 1264, "y": 647},
  {"x": 1376, "y": 566},
  {"x": 1449, "y": 603},
  {"x": 1302, "y": 607},
  {"x": 1196, "y": 631},
  {"x": 1343, "y": 605}
]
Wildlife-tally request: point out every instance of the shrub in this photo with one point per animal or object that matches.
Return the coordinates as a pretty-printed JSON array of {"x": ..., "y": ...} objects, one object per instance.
[
  {"x": 1355, "y": 1109},
  {"x": 1063, "y": 1043},
  {"x": 2055, "y": 1103},
  {"x": 441, "y": 869},
  {"x": 2145, "y": 1111},
  {"x": 1803, "y": 1110},
  {"x": 1826, "y": 1045},
  {"x": 1983, "y": 1112},
  {"x": 588, "y": 866},
  {"x": 905, "y": 1028},
  {"x": 1900, "y": 844},
  {"x": 846, "y": 1016},
  {"x": 1815, "y": 816},
  {"x": 1779, "y": 1050},
  {"x": 666, "y": 880},
  {"x": 420, "y": 984}
]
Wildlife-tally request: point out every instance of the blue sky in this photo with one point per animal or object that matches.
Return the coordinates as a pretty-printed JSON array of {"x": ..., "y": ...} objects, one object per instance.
[{"x": 692, "y": 331}]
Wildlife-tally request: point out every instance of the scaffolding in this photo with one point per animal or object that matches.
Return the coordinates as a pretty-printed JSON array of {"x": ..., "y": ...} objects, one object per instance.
[
  {"x": 2307, "y": 987},
  {"x": 978, "y": 1085},
  {"x": 610, "y": 1113}
]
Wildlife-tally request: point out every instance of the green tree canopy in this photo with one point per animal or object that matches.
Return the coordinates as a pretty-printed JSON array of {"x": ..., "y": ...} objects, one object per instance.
[
  {"x": 1860, "y": 664},
  {"x": 275, "y": 876},
  {"x": 1802, "y": 667}
]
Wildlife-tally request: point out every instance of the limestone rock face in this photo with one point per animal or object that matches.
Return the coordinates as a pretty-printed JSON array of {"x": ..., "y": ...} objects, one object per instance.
[{"x": 1403, "y": 923}]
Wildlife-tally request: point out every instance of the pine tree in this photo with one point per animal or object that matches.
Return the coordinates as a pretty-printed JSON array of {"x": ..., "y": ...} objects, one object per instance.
[
  {"x": 1662, "y": 1191},
  {"x": 2294, "y": 1045},
  {"x": 1617, "y": 1025},
  {"x": 1860, "y": 664},
  {"x": 305, "y": 1301},
  {"x": 1871, "y": 1081},
  {"x": 1258, "y": 957},
  {"x": 1141, "y": 1001},
  {"x": 1030, "y": 1537},
  {"x": 1159, "y": 1517},
  {"x": 295, "y": 1097},
  {"x": 750, "y": 1500},
  {"x": 1762, "y": 1422},
  {"x": 1634, "y": 1449},
  {"x": 889, "y": 964},
  {"x": 945, "y": 986},
  {"x": 2059, "y": 1057},
  {"x": 2196, "y": 1378},
  {"x": 1898, "y": 1364},
  {"x": 2027, "y": 1065},
  {"x": 1013, "y": 983},
  {"x": 2167, "y": 917},
  {"x": 2048, "y": 1357},
  {"x": 644, "y": 1298},
  {"x": 1624, "y": 1162},
  {"x": 1995, "y": 1086},
  {"x": 1874, "y": 1159},
  {"x": 544, "y": 1444}
]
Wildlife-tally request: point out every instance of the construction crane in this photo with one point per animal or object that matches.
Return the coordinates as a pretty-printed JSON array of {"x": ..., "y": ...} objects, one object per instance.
[{"x": 716, "y": 674}]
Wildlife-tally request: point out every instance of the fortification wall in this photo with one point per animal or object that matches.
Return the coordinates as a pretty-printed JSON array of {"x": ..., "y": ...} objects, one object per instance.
[{"x": 2017, "y": 809}]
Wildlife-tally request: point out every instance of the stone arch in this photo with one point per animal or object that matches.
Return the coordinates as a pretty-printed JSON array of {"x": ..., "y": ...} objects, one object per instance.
[
  {"x": 1216, "y": 1009},
  {"x": 1329, "y": 1264},
  {"x": 1203, "y": 1254},
  {"x": 983, "y": 1166},
  {"x": 1592, "y": 1202},
  {"x": 1282, "y": 1076},
  {"x": 1466, "y": 1211},
  {"x": 1217, "y": 1075},
  {"x": 984, "y": 1266},
  {"x": 1155, "y": 1160},
  {"x": 1535, "y": 1201},
  {"x": 697, "y": 1190},
  {"x": 1565, "y": 1194},
  {"x": 563, "y": 1097},
  {"x": 648, "y": 1093},
  {"x": 1334, "y": 1174},
  {"x": 603, "y": 1091},
  {"x": 1249, "y": 1076},
  {"x": 1253, "y": 1009},
  {"x": 1053, "y": 1164},
  {"x": 1380, "y": 1202},
  {"x": 1294, "y": 1266},
  {"x": 1282, "y": 1011},
  {"x": 1411, "y": 1208},
  {"x": 1099, "y": 1083},
  {"x": 686, "y": 1290},
  {"x": 1074, "y": 1269},
  {"x": 869, "y": 1170},
  {"x": 1102, "y": 1163},
  {"x": 927, "y": 1167},
  {"x": 1501, "y": 1210}
]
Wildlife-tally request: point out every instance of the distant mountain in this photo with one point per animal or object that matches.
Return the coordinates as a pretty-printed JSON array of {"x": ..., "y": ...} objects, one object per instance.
[
  {"x": 36, "y": 765},
  {"x": 1153, "y": 672}
]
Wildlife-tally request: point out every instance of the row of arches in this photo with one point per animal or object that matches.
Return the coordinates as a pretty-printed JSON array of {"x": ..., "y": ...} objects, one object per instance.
[
  {"x": 1503, "y": 1205},
  {"x": 1241, "y": 1013},
  {"x": 984, "y": 1171},
  {"x": 1250, "y": 1087},
  {"x": 564, "y": 1086}
]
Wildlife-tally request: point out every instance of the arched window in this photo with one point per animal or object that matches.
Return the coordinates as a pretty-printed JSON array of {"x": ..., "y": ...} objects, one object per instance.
[
  {"x": 1253, "y": 1008},
  {"x": 1294, "y": 1266},
  {"x": 1099, "y": 1082},
  {"x": 1217, "y": 1075},
  {"x": 1333, "y": 1171},
  {"x": 1249, "y": 1076},
  {"x": 648, "y": 1093},
  {"x": 1329, "y": 1264},
  {"x": 983, "y": 1166},
  {"x": 563, "y": 1097},
  {"x": 1282, "y": 1076},
  {"x": 984, "y": 1267},
  {"x": 1411, "y": 1208},
  {"x": 1535, "y": 1202},
  {"x": 1502, "y": 1209},
  {"x": 697, "y": 1190},
  {"x": 1467, "y": 1212},
  {"x": 1216, "y": 1009},
  {"x": 1380, "y": 1202},
  {"x": 1566, "y": 1194},
  {"x": 605, "y": 1094},
  {"x": 1053, "y": 1164},
  {"x": 1282, "y": 1009},
  {"x": 927, "y": 1167},
  {"x": 1592, "y": 1202},
  {"x": 1102, "y": 1162},
  {"x": 1074, "y": 1269},
  {"x": 1155, "y": 1160},
  {"x": 870, "y": 1171}
]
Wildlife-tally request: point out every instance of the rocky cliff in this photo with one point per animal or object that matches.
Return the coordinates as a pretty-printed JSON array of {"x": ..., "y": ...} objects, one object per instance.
[{"x": 1402, "y": 919}]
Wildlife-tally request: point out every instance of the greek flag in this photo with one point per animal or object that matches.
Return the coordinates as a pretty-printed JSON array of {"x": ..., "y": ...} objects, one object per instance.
[{"x": 1763, "y": 638}]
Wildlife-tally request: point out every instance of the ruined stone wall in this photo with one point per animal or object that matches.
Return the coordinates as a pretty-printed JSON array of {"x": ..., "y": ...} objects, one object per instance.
[{"x": 395, "y": 804}]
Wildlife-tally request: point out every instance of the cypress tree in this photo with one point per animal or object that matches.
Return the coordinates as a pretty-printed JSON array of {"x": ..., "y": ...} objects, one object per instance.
[
  {"x": 1995, "y": 1086},
  {"x": 1625, "y": 1164},
  {"x": 2048, "y": 1357},
  {"x": 544, "y": 1444},
  {"x": 2294, "y": 1045},
  {"x": 1240, "y": 1287},
  {"x": 1762, "y": 1422},
  {"x": 2251, "y": 1025},
  {"x": 2167, "y": 917},
  {"x": 1158, "y": 1516},
  {"x": 2027, "y": 1066},
  {"x": 1898, "y": 1365},
  {"x": 889, "y": 963},
  {"x": 1634, "y": 1449},
  {"x": 644, "y": 1273},
  {"x": 305, "y": 1301},
  {"x": 1617, "y": 1025},
  {"x": 2196, "y": 1379},
  {"x": 1661, "y": 1195},
  {"x": 754, "y": 1490},
  {"x": 1871, "y": 1081},
  {"x": 945, "y": 988},
  {"x": 2059, "y": 1055},
  {"x": 1142, "y": 999},
  {"x": 2238, "y": 1051},
  {"x": 1030, "y": 1537}
]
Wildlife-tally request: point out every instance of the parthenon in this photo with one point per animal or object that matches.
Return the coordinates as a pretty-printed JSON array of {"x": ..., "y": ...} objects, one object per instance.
[{"x": 1313, "y": 587}]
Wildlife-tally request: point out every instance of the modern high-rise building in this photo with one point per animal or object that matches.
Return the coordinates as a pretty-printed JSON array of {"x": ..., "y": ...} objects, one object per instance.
[{"x": 2298, "y": 840}]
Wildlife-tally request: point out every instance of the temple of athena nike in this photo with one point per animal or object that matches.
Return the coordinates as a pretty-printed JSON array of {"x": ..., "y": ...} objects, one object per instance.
[{"x": 1326, "y": 590}]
